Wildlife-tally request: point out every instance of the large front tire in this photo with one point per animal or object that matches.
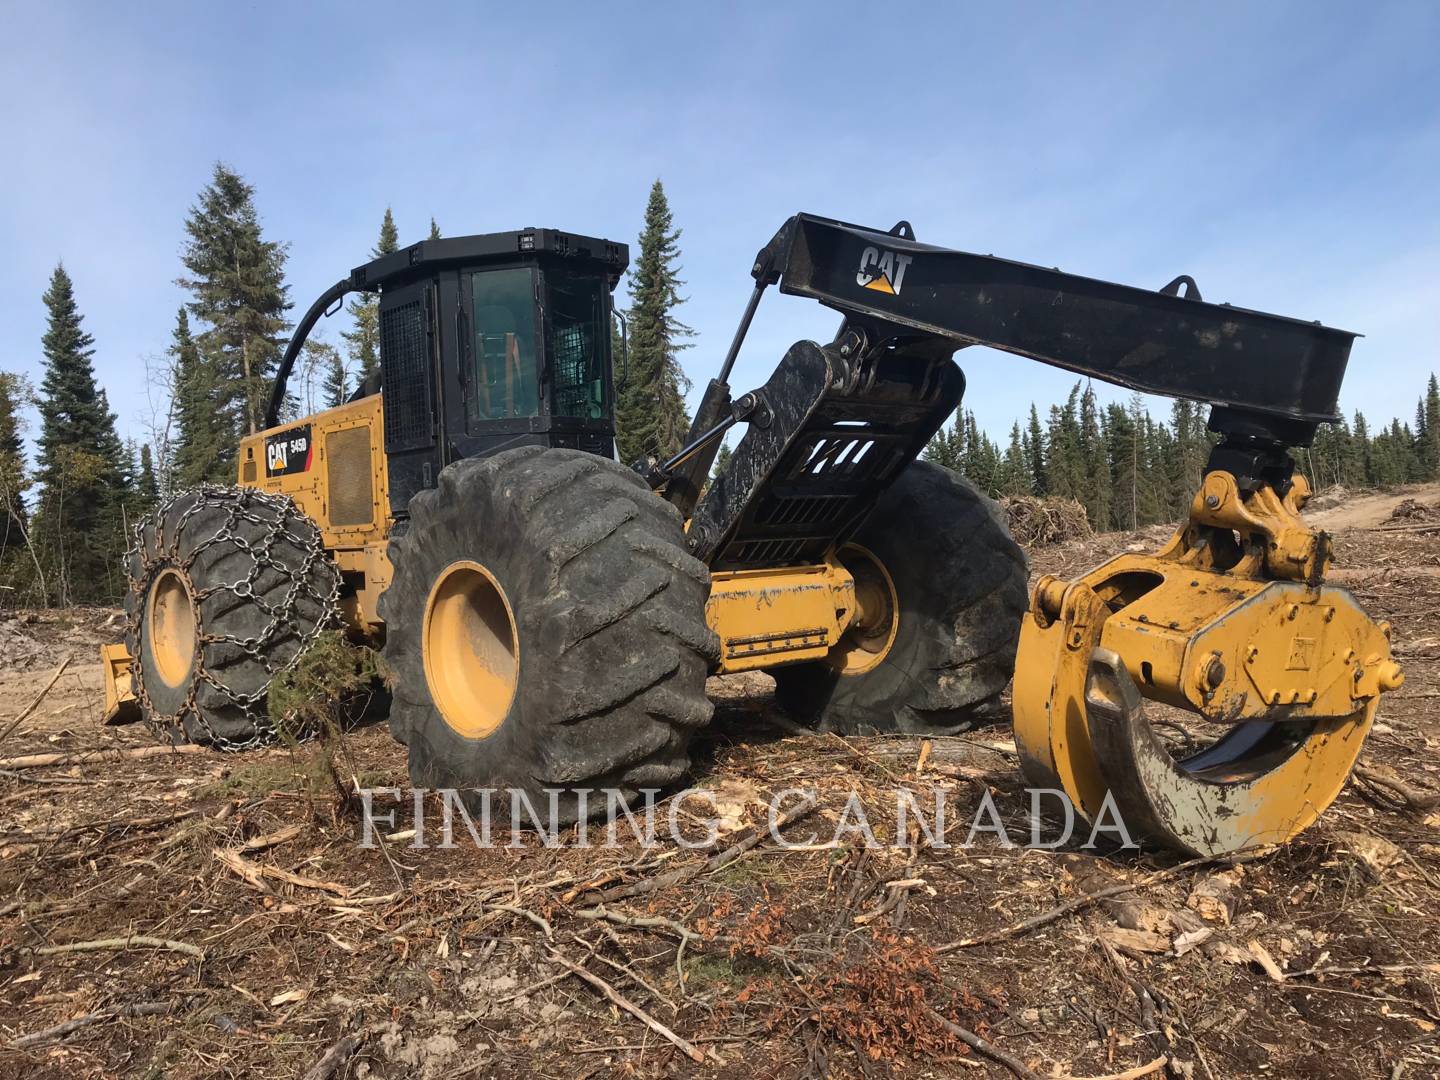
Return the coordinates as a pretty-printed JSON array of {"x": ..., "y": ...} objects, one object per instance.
[
  {"x": 957, "y": 593},
  {"x": 545, "y": 632},
  {"x": 228, "y": 587}
]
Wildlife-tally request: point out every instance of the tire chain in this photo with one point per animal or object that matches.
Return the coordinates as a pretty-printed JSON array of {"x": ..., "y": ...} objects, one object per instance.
[{"x": 239, "y": 503}]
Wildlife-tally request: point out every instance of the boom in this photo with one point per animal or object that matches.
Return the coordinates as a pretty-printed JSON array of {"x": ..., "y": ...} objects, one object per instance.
[{"x": 1159, "y": 342}]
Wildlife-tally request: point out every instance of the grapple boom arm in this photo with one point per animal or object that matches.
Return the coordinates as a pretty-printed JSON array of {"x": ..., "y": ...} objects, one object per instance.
[{"x": 1283, "y": 374}]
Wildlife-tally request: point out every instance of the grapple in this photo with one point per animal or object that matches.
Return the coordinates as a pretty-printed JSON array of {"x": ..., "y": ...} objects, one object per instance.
[{"x": 1231, "y": 622}]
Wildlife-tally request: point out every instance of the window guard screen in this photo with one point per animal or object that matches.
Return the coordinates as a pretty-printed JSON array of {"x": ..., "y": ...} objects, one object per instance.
[{"x": 578, "y": 347}]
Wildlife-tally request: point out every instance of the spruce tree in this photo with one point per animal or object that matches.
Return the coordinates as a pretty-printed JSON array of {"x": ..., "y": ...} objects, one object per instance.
[
  {"x": 237, "y": 283},
  {"x": 362, "y": 344},
  {"x": 80, "y": 465},
  {"x": 651, "y": 417},
  {"x": 947, "y": 447},
  {"x": 434, "y": 231},
  {"x": 337, "y": 380},
  {"x": 13, "y": 395},
  {"x": 147, "y": 485},
  {"x": 1014, "y": 467},
  {"x": 1094, "y": 463},
  {"x": 1429, "y": 430},
  {"x": 1036, "y": 439},
  {"x": 197, "y": 457}
]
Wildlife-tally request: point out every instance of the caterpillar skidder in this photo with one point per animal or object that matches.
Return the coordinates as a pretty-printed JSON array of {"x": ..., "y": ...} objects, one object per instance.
[{"x": 549, "y": 616}]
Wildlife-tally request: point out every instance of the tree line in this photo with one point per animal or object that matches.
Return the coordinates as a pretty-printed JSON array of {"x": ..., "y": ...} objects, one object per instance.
[
  {"x": 67, "y": 516},
  {"x": 1128, "y": 469}
]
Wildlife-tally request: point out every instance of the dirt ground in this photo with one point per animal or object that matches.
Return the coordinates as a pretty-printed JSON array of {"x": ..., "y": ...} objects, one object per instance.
[{"x": 256, "y": 938}]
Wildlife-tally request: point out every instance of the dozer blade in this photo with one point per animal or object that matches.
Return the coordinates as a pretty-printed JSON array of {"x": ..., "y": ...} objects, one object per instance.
[
  {"x": 1292, "y": 669},
  {"x": 120, "y": 704}
]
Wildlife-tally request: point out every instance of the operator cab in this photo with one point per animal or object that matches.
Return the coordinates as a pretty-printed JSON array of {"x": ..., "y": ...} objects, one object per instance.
[{"x": 492, "y": 342}]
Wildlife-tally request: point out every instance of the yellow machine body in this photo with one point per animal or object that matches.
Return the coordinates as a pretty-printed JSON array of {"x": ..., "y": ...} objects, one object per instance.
[
  {"x": 333, "y": 465},
  {"x": 1231, "y": 621}
]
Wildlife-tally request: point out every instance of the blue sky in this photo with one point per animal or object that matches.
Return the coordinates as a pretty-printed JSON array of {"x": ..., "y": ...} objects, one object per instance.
[{"x": 1285, "y": 155}]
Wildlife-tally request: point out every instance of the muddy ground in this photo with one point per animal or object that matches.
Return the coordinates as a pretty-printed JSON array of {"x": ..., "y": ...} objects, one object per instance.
[{"x": 251, "y": 936}]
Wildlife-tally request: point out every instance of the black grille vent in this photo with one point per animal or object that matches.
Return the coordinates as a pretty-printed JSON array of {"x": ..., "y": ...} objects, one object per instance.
[{"x": 409, "y": 422}]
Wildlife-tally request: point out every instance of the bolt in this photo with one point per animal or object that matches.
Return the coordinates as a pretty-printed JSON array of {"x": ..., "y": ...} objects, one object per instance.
[
  {"x": 1391, "y": 677},
  {"x": 1212, "y": 501},
  {"x": 1329, "y": 613},
  {"x": 1293, "y": 612},
  {"x": 1214, "y": 673}
]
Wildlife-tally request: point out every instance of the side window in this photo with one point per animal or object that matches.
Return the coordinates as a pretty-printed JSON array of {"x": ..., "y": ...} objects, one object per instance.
[
  {"x": 505, "y": 383},
  {"x": 579, "y": 346}
]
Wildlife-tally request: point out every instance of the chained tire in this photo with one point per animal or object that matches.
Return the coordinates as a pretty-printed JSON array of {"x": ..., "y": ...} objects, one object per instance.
[
  {"x": 545, "y": 632},
  {"x": 942, "y": 590},
  {"x": 228, "y": 587}
]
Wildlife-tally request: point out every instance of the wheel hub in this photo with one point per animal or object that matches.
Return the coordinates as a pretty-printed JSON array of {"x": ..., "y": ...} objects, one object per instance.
[
  {"x": 172, "y": 629},
  {"x": 471, "y": 649},
  {"x": 871, "y": 634}
]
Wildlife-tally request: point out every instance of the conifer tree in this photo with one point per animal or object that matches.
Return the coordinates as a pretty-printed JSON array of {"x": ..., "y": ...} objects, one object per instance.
[
  {"x": 237, "y": 284},
  {"x": 1014, "y": 467},
  {"x": 197, "y": 457},
  {"x": 81, "y": 470},
  {"x": 1094, "y": 463},
  {"x": 147, "y": 485},
  {"x": 362, "y": 344},
  {"x": 13, "y": 483},
  {"x": 947, "y": 447},
  {"x": 434, "y": 231},
  {"x": 1036, "y": 439},
  {"x": 651, "y": 417},
  {"x": 1428, "y": 432},
  {"x": 337, "y": 380}
]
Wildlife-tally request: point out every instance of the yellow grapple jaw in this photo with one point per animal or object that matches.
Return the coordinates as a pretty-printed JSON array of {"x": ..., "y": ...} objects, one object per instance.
[{"x": 1230, "y": 620}]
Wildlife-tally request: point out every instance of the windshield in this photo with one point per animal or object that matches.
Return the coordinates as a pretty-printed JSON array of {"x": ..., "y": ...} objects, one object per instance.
[
  {"x": 579, "y": 346},
  {"x": 505, "y": 383}
]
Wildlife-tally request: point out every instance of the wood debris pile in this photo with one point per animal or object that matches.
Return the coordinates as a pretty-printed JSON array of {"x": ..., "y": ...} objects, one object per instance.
[{"x": 1037, "y": 522}]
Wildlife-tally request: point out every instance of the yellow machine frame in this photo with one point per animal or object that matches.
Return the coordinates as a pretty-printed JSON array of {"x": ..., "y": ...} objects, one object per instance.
[{"x": 763, "y": 617}]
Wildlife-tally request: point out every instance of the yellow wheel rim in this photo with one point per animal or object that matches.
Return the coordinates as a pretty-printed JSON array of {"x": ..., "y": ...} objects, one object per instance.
[
  {"x": 172, "y": 630},
  {"x": 471, "y": 649},
  {"x": 870, "y": 636}
]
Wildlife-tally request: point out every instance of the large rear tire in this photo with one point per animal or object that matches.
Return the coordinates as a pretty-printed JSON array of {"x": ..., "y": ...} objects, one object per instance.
[
  {"x": 957, "y": 592},
  {"x": 545, "y": 631},
  {"x": 228, "y": 587}
]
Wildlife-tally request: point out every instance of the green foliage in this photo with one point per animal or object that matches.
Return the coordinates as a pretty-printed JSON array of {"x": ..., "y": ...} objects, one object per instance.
[
  {"x": 18, "y": 567},
  {"x": 1129, "y": 470},
  {"x": 325, "y": 372},
  {"x": 147, "y": 485},
  {"x": 650, "y": 416},
  {"x": 82, "y": 466},
  {"x": 434, "y": 231},
  {"x": 236, "y": 280},
  {"x": 197, "y": 457},
  {"x": 362, "y": 344},
  {"x": 318, "y": 692}
]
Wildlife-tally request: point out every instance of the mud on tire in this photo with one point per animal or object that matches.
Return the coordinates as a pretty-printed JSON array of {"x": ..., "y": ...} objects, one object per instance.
[
  {"x": 261, "y": 588},
  {"x": 961, "y": 584},
  {"x": 609, "y": 612}
]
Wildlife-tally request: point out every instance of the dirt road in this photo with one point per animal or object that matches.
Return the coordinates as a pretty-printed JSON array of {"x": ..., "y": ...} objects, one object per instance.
[{"x": 250, "y": 935}]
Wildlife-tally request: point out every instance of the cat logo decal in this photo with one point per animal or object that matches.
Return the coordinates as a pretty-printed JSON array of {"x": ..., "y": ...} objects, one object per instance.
[{"x": 882, "y": 270}]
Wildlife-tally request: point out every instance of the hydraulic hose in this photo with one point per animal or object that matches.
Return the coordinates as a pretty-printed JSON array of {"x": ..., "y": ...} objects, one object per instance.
[{"x": 297, "y": 342}]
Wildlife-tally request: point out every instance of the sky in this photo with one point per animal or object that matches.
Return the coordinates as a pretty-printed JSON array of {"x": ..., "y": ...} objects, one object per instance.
[{"x": 1287, "y": 156}]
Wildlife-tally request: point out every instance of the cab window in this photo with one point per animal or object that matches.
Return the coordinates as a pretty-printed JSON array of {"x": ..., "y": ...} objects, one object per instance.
[
  {"x": 504, "y": 383},
  {"x": 579, "y": 346}
]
